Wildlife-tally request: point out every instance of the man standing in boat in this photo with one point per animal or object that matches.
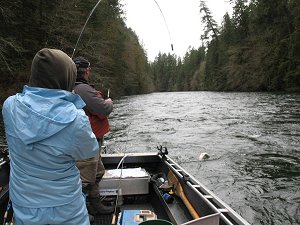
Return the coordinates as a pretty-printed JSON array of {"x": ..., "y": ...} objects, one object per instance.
[
  {"x": 97, "y": 109},
  {"x": 47, "y": 131}
]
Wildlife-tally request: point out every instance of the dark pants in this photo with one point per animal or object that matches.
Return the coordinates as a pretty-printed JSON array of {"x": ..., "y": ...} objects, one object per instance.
[{"x": 91, "y": 172}]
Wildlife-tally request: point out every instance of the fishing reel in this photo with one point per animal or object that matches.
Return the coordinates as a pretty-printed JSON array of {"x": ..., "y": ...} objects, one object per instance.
[
  {"x": 4, "y": 156},
  {"x": 162, "y": 150}
]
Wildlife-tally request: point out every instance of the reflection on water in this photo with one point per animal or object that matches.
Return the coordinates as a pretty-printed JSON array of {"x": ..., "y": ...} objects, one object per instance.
[{"x": 253, "y": 140}]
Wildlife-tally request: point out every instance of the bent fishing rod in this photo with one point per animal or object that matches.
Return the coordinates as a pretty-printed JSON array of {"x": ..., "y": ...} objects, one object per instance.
[
  {"x": 165, "y": 23},
  {"x": 92, "y": 11},
  {"x": 87, "y": 20}
]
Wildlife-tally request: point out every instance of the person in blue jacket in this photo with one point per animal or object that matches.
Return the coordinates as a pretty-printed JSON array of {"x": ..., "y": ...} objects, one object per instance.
[{"x": 47, "y": 131}]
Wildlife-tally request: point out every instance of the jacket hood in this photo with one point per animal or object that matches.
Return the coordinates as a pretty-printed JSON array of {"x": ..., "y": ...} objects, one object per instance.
[
  {"x": 54, "y": 69},
  {"x": 39, "y": 113}
]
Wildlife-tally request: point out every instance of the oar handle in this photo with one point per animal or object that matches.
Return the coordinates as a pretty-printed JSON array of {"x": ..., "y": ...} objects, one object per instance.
[
  {"x": 189, "y": 206},
  {"x": 180, "y": 193}
]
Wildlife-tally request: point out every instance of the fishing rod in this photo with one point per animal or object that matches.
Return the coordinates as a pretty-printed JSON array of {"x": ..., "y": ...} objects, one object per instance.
[
  {"x": 87, "y": 20},
  {"x": 165, "y": 23},
  {"x": 92, "y": 11}
]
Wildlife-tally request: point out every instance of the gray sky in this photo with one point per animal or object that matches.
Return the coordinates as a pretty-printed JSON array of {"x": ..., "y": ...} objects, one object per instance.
[{"x": 183, "y": 21}]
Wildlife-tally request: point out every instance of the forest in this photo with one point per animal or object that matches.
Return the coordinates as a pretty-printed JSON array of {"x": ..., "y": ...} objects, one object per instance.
[{"x": 257, "y": 48}]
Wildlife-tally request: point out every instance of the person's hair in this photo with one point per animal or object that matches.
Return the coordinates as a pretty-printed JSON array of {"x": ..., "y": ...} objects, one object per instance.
[
  {"x": 81, "y": 64},
  {"x": 80, "y": 72}
]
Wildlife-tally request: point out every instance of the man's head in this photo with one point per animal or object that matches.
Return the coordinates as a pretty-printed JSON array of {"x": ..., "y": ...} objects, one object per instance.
[
  {"x": 83, "y": 68},
  {"x": 52, "y": 68}
]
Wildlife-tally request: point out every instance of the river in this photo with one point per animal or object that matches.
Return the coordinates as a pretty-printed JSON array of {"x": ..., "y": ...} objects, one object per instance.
[{"x": 253, "y": 140}]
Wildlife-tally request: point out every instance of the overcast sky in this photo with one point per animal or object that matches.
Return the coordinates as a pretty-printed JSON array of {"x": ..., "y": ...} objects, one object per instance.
[{"x": 183, "y": 21}]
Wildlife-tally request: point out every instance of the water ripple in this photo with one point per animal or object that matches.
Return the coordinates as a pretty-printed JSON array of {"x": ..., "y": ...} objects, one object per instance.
[{"x": 252, "y": 140}]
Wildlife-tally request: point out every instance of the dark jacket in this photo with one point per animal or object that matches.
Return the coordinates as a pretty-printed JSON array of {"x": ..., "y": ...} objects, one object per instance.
[{"x": 97, "y": 109}]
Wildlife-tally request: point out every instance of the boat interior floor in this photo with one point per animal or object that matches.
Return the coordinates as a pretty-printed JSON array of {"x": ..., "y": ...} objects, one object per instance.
[{"x": 175, "y": 211}]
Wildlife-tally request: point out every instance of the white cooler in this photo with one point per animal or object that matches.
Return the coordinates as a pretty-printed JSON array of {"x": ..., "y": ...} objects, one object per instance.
[{"x": 130, "y": 181}]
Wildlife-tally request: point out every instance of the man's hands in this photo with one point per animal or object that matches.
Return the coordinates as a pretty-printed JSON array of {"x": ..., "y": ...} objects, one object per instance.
[{"x": 108, "y": 100}]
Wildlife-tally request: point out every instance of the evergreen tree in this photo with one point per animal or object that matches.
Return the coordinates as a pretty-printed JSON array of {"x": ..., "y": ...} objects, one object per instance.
[
  {"x": 210, "y": 25},
  {"x": 292, "y": 64}
]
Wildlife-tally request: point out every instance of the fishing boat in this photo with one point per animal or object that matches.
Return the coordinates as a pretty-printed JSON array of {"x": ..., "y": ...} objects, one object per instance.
[{"x": 151, "y": 189}]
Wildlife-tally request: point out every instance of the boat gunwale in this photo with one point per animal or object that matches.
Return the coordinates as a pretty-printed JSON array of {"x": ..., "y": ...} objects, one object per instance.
[{"x": 191, "y": 183}]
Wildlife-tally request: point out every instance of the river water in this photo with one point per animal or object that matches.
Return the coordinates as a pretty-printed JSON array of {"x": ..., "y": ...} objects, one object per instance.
[{"x": 253, "y": 140}]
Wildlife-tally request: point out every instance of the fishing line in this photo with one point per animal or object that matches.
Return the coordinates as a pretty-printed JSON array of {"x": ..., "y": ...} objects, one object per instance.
[
  {"x": 84, "y": 27},
  {"x": 87, "y": 20},
  {"x": 165, "y": 23}
]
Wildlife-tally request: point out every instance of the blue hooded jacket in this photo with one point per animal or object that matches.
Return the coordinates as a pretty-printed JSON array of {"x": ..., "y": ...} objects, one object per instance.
[{"x": 46, "y": 131}]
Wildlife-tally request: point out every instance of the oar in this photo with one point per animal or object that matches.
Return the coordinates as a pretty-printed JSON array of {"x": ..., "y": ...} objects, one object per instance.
[{"x": 180, "y": 193}]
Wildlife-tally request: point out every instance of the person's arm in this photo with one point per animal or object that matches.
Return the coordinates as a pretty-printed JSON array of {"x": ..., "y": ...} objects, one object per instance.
[
  {"x": 85, "y": 142},
  {"x": 108, "y": 102},
  {"x": 94, "y": 101}
]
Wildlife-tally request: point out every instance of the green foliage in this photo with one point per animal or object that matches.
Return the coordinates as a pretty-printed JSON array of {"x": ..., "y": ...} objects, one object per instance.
[
  {"x": 164, "y": 72},
  {"x": 210, "y": 25},
  {"x": 118, "y": 60},
  {"x": 240, "y": 18},
  {"x": 173, "y": 74},
  {"x": 255, "y": 49}
]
